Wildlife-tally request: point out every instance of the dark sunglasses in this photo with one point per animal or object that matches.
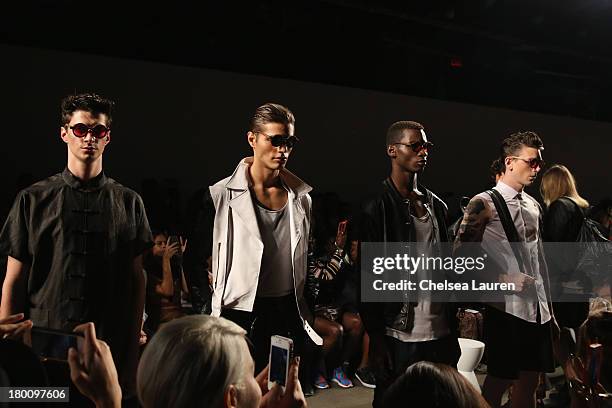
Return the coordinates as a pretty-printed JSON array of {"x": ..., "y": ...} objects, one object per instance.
[
  {"x": 418, "y": 146},
  {"x": 81, "y": 130},
  {"x": 533, "y": 163},
  {"x": 281, "y": 140}
]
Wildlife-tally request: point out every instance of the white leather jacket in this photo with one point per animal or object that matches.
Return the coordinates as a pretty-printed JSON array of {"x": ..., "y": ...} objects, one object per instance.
[{"x": 238, "y": 247}]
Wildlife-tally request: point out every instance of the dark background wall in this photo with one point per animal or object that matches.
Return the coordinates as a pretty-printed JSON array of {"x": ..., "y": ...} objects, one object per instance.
[{"x": 189, "y": 125}]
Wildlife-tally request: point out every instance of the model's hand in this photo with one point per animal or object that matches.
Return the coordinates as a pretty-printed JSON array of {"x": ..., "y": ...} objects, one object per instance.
[
  {"x": 293, "y": 396},
  {"x": 183, "y": 244},
  {"x": 14, "y": 328},
  {"x": 520, "y": 280},
  {"x": 92, "y": 369}
]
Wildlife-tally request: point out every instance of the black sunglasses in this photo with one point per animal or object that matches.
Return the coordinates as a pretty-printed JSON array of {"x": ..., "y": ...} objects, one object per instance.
[
  {"x": 533, "y": 163},
  {"x": 418, "y": 146},
  {"x": 281, "y": 140},
  {"x": 81, "y": 130}
]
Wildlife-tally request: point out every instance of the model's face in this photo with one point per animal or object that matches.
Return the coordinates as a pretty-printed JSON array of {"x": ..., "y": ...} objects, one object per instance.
[
  {"x": 525, "y": 166},
  {"x": 88, "y": 148},
  {"x": 271, "y": 157},
  {"x": 159, "y": 244},
  {"x": 405, "y": 156}
]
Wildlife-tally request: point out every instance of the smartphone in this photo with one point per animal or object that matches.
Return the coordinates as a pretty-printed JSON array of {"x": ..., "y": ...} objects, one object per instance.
[
  {"x": 174, "y": 239},
  {"x": 51, "y": 344},
  {"x": 281, "y": 351}
]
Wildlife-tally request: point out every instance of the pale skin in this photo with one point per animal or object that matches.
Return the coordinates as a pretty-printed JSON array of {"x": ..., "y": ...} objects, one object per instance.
[
  {"x": 518, "y": 175},
  {"x": 267, "y": 163},
  {"x": 84, "y": 160}
]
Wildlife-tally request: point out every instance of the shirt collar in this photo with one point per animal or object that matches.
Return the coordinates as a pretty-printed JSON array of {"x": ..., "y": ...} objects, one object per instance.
[
  {"x": 239, "y": 180},
  {"x": 89, "y": 185},
  {"x": 506, "y": 191}
]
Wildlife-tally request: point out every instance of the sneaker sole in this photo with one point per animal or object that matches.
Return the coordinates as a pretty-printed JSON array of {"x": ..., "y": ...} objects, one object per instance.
[
  {"x": 365, "y": 384},
  {"x": 326, "y": 386},
  {"x": 342, "y": 385}
]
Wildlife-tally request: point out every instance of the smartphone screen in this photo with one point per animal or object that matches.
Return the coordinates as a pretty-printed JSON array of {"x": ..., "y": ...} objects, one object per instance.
[
  {"x": 279, "y": 358},
  {"x": 53, "y": 344}
]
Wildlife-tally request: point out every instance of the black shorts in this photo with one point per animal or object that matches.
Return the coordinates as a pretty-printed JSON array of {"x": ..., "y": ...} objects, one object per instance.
[{"x": 513, "y": 345}]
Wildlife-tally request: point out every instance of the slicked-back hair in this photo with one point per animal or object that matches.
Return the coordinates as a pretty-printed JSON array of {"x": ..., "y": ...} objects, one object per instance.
[
  {"x": 271, "y": 113},
  {"x": 87, "y": 102},
  {"x": 396, "y": 130},
  {"x": 515, "y": 142}
]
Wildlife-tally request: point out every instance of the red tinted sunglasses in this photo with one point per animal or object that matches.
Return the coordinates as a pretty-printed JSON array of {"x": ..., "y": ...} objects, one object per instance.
[{"x": 81, "y": 130}]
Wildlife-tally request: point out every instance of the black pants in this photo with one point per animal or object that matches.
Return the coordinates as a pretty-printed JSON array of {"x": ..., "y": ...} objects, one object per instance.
[
  {"x": 273, "y": 316},
  {"x": 403, "y": 354}
]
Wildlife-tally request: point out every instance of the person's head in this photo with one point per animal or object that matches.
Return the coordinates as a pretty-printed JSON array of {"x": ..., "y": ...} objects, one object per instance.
[
  {"x": 497, "y": 169},
  {"x": 559, "y": 182},
  {"x": 198, "y": 361},
  {"x": 407, "y": 146},
  {"x": 271, "y": 135},
  {"x": 602, "y": 213},
  {"x": 597, "y": 328},
  {"x": 521, "y": 153},
  {"x": 426, "y": 384},
  {"x": 85, "y": 126},
  {"x": 159, "y": 243}
]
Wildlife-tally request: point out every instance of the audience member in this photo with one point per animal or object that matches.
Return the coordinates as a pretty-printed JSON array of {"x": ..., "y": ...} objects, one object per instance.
[
  {"x": 166, "y": 283},
  {"x": 563, "y": 218},
  {"x": 193, "y": 361},
  {"x": 433, "y": 385}
]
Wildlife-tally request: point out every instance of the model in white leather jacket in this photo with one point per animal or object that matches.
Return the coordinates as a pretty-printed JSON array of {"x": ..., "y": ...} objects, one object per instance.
[{"x": 238, "y": 248}]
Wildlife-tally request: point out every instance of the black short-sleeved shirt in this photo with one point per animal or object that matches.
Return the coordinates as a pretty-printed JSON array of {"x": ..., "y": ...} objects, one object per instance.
[{"x": 79, "y": 239}]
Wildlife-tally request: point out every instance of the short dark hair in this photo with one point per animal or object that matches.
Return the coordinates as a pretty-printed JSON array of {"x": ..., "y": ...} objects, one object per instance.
[
  {"x": 271, "y": 113},
  {"x": 513, "y": 143},
  {"x": 88, "y": 102},
  {"x": 497, "y": 167},
  {"x": 394, "y": 134}
]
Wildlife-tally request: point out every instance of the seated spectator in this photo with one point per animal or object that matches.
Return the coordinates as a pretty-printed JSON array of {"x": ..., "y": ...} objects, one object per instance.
[
  {"x": 336, "y": 317},
  {"x": 597, "y": 329},
  {"x": 165, "y": 281},
  {"x": 433, "y": 385},
  {"x": 194, "y": 361}
]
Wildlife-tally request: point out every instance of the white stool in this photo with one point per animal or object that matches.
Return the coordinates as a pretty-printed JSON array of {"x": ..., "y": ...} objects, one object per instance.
[{"x": 471, "y": 353}]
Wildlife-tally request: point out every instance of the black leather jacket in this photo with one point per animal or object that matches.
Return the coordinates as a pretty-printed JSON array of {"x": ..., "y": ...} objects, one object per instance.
[{"x": 386, "y": 218}]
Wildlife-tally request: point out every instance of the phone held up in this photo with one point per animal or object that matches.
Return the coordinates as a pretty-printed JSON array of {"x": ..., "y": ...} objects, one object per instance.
[
  {"x": 281, "y": 352},
  {"x": 51, "y": 344}
]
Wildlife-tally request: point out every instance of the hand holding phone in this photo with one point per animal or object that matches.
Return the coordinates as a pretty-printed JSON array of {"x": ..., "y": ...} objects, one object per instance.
[
  {"x": 51, "y": 344},
  {"x": 341, "y": 234},
  {"x": 92, "y": 369},
  {"x": 281, "y": 351}
]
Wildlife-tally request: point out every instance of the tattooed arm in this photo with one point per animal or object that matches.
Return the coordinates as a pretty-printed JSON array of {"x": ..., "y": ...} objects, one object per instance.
[{"x": 475, "y": 219}]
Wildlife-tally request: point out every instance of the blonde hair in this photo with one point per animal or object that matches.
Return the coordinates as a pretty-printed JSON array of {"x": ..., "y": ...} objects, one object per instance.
[
  {"x": 559, "y": 182},
  {"x": 190, "y": 362}
]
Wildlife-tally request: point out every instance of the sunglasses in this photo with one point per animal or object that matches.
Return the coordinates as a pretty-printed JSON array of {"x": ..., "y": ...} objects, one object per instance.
[
  {"x": 281, "y": 140},
  {"x": 533, "y": 163},
  {"x": 81, "y": 130},
  {"x": 418, "y": 146}
]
